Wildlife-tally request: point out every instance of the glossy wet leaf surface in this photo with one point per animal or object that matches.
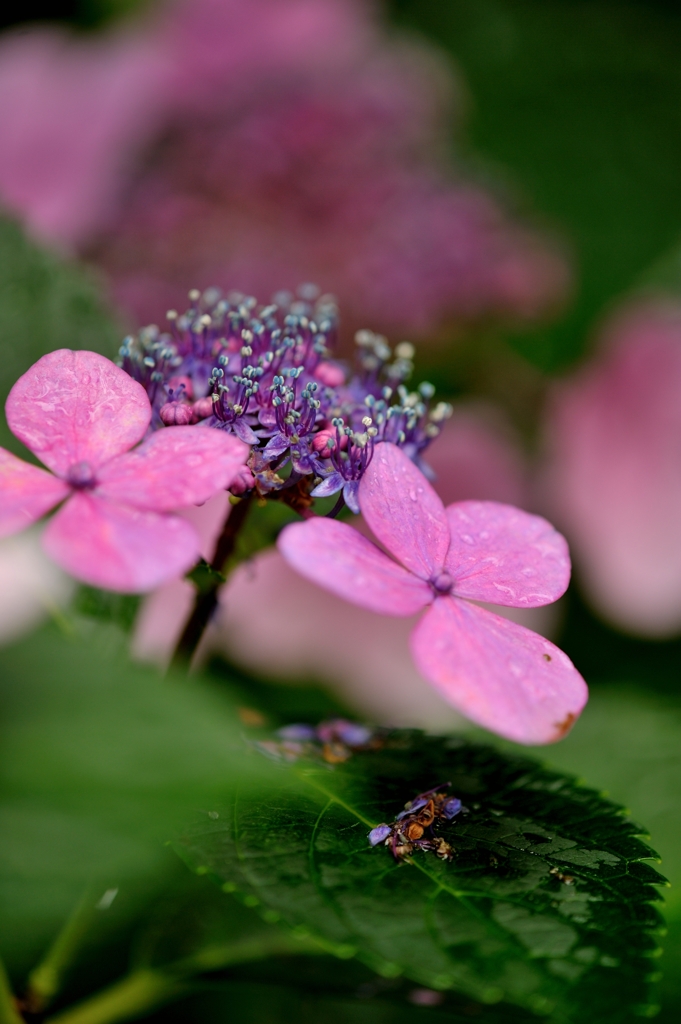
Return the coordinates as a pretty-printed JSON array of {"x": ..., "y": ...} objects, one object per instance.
[{"x": 545, "y": 905}]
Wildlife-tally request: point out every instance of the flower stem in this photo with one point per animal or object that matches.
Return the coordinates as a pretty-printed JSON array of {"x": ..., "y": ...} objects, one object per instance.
[
  {"x": 207, "y": 598},
  {"x": 144, "y": 989},
  {"x": 8, "y": 1011},
  {"x": 46, "y": 978},
  {"x": 135, "y": 995}
]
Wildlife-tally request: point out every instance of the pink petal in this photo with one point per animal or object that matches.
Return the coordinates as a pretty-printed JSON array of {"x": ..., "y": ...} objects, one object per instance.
[
  {"x": 503, "y": 555},
  {"x": 340, "y": 559},
  {"x": 502, "y": 676},
  {"x": 174, "y": 468},
  {"x": 26, "y": 493},
  {"x": 73, "y": 407},
  {"x": 118, "y": 547},
  {"x": 404, "y": 511}
]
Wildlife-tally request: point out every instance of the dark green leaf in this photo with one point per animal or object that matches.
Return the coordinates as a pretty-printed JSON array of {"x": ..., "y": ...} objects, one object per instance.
[
  {"x": 100, "y": 757},
  {"x": 628, "y": 743},
  {"x": 45, "y": 303},
  {"x": 495, "y": 923},
  {"x": 312, "y": 991}
]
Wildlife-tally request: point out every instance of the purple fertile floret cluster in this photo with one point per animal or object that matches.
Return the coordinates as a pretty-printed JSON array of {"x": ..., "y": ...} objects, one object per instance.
[{"x": 267, "y": 374}]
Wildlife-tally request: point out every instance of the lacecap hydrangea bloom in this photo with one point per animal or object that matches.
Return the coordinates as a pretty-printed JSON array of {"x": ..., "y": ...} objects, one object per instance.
[
  {"x": 267, "y": 375},
  {"x": 230, "y": 375},
  {"x": 82, "y": 416}
]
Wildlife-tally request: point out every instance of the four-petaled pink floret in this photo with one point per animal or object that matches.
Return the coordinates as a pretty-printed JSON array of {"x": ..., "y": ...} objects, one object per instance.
[
  {"x": 499, "y": 674},
  {"x": 81, "y": 415}
]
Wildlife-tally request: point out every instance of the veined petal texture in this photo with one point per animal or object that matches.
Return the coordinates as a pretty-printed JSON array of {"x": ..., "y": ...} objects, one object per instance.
[
  {"x": 503, "y": 555},
  {"x": 339, "y": 558},
  {"x": 117, "y": 547},
  {"x": 404, "y": 511},
  {"x": 499, "y": 674},
  {"x": 77, "y": 407},
  {"x": 26, "y": 493},
  {"x": 174, "y": 468}
]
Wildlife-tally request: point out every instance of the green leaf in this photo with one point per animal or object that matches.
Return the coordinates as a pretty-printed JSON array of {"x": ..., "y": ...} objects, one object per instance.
[
  {"x": 324, "y": 989},
  {"x": 628, "y": 743},
  {"x": 577, "y": 102},
  {"x": 45, "y": 303},
  {"x": 546, "y": 904},
  {"x": 107, "y": 607},
  {"x": 101, "y": 759}
]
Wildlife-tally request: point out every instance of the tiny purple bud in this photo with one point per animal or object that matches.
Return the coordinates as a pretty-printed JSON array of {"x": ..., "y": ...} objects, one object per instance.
[
  {"x": 451, "y": 808},
  {"x": 321, "y": 439},
  {"x": 176, "y": 414},
  {"x": 203, "y": 408},
  {"x": 340, "y": 730},
  {"x": 379, "y": 834},
  {"x": 320, "y": 443},
  {"x": 297, "y": 732},
  {"x": 353, "y": 735},
  {"x": 244, "y": 481}
]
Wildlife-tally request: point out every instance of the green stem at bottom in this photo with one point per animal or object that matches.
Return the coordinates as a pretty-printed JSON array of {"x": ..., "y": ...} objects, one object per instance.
[
  {"x": 145, "y": 989},
  {"x": 140, "y": 992}
]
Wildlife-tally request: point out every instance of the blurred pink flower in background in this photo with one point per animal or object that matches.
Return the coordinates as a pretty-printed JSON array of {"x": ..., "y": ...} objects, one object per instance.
[
  {"x": 253, "y": 144},
  {"x": 78, "y": 113},
  {"x": 315, "y": 635},
  {"x": 613, "y": 475}
]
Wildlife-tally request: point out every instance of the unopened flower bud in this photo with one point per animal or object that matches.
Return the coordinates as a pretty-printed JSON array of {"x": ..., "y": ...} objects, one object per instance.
[
  {"x": 176, "y": 414},
  {"x": 243, "y": 482},
  {"x": 325, "y": 441},
  {"x": 203, "y": 408}
]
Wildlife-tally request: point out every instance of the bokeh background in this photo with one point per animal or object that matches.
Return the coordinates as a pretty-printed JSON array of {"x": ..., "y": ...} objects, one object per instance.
[{"x": 497, "y": 180}]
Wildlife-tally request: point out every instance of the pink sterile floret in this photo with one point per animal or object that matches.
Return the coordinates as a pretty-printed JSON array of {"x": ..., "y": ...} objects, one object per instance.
[
  {"x": 501, "y": 675},
  {"x": 80, "y": 414}
]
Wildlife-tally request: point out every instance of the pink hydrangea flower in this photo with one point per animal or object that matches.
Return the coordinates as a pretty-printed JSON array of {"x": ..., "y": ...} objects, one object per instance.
[
  {"x": 253, "y": 144},
  {"x": 81, "y": 415},
  {"x": 335, "y": 182},
  {"x": 501, "y": 675},
  {"x": 613, "y": 474},
  {"x": 73, "y": 116}
]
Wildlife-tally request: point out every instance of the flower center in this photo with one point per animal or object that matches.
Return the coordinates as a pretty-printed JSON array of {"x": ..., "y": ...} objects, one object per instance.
[
  {"x": 442, "y": 583},
  {"x": 81, "y": 476}
]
